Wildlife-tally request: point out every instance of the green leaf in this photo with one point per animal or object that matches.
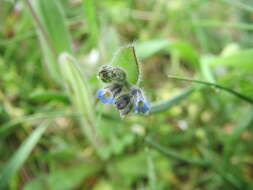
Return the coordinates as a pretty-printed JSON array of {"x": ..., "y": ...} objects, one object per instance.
[
  {"x": 51, "y": 14},
  {"x": 230, "y": 144},
  {"x": 78, "y": 85},
  {"x": 18, "y": 159},
  {"x": 49, "y": 96},
  {"x": 131, "y": 167},
  {"x": 91, "y": 17},
  {"x": 7, "y": 127},
  {"x": 126, "y": 59},
  {"x": 206, "y": 70},
  {"x": 149, "y": 48},
  {"x": 152, "y": 176},
  {"x": 69, "y": 178},
  {"x": 186, "y": 51},
  {"x": 174, "y": 154},
  {"x": 166, "y": 104},
  {"x": 52, "y": 31},
  {"x": 80, "y": 94},
  {"x": 241, "y": 59}
]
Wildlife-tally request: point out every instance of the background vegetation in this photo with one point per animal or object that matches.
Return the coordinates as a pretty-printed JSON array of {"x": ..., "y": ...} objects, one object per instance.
[{"x": 54, "y": 134}]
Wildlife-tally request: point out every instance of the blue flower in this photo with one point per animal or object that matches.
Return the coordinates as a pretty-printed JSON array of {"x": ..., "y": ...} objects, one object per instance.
[
  {"x": 106, "y": 96},
  {"x": 141, "y": 105}
]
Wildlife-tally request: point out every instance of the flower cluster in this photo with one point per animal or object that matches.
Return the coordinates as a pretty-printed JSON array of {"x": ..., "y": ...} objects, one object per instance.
[{"x": 124, "y": 96}]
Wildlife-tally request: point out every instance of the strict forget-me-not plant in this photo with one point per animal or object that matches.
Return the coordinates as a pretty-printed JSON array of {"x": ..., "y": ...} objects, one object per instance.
[{"x": 120, "y": 91}]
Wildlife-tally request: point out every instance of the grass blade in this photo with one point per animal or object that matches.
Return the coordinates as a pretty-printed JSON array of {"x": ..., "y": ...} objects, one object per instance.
[
  {"x": 43, "y": 96},
  {"x": 21, "y": 155},
  {"x": 174, "y": 155},
  {"x": 52, "y": 31},
  {"x": 166, "y": 104},
  {"x": 237, "y": 94},
  {"x": 90, "y": 13},
  {"x": 5, "y": 128},
  {"x": 241, "y": 59},
  {"x": 219, "y": 24},
  {"x": 151, "y": 171},
  {"x": 149, "y": 48}
]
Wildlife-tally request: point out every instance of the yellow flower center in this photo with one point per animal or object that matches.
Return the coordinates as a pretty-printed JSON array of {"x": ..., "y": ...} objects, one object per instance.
[
  {"x": 141, "y": 103},
  {"x": 107, "y": 94}
]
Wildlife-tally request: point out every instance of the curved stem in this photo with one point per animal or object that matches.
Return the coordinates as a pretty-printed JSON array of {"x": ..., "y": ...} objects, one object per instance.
[{"x": 235, "y": 93}]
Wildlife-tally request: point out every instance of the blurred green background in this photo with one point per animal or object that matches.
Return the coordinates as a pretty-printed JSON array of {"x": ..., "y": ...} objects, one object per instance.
[{"x": 55, "y": 135}]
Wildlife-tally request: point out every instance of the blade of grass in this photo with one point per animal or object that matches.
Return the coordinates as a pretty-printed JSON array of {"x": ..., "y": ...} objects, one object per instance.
[
  {"x": 206, "y": 70},
  {"x": 54, "y": 23},
  {"x": 213, "y": 23},
  {"x": 151, "y": 170},
  {"x": 166, "y": 104},
  {"x": 19, "y": 157},
  {"x": 199, "y": 33},
  {"x": 239, "y": 4},
  {"x": 149, "y": 48},
  {"x": 10, "y": 125},
  {"x": 49, "y": 96},
  {"x": 198, "y": 162},
  {"x": 241, "y": 59},
  {"x": 230, "y": 142},
  {"x": 52, "y": 32},
  {"x": 237, "y": 94},
  {"x": 185, "y": 50},
  {"x": 90, "y": 13},
  {"x": 174, "y": 155},
  {"x": 40, "y": 26}
]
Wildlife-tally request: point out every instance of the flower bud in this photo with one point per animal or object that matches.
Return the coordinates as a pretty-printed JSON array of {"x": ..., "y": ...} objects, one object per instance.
[
  {"x": 124, "y": 104},
  {"x": 110, "y": 74},
  {"x": 122, "y": 101}
]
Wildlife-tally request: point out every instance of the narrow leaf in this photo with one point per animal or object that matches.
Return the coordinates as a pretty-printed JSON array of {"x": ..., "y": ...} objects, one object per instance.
[
  {"x": 71, "y": 177},
  {"x": 90, "y": 14},
  {"x": 149, "y": 48},
  {"x": 18, "y": 159},
  {"x": 49, "y": 20},
  {"x": 54, "y": 23},
  {"x": 166, "y": 104},
  {"x": 241, "y": 59},
  {"x": 49, "y": 96},
  {"x": 80, "y": 95},
  {"x": 239, "y": 95},
  {"x": 7, "y": 127},
  {"x": 174, "y": 155}
]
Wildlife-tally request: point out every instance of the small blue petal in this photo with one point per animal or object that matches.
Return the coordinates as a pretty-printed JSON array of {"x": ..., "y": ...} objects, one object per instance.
[
  {"x": 141, "y": 106},
  {"x": 107, "y": 100},
  {"x": 105, "y": 96},
  {"x": 100, "y": 93}
]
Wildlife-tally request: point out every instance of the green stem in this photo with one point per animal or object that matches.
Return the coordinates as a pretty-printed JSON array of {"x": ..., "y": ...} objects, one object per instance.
[
  {"x": 174, "y": 155},
  {"x": 239, "y": 95}
]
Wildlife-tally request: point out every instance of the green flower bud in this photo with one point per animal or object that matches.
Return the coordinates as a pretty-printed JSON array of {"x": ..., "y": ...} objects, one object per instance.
[{"x": 110, "y": 74}]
